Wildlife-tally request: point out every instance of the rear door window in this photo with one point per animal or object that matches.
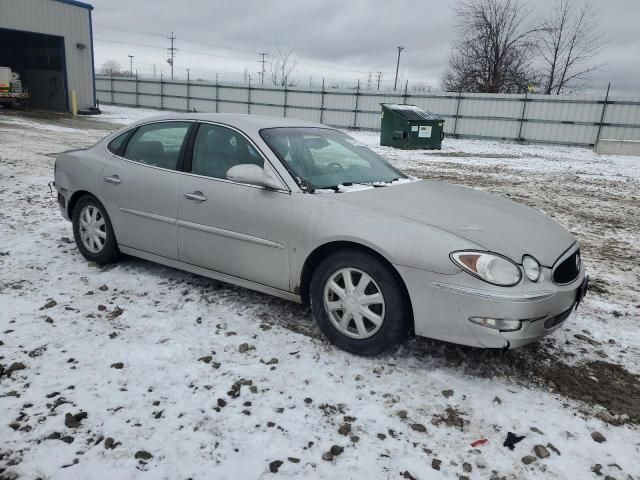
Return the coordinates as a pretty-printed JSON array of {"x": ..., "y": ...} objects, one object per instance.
[
  {"x": 158, "y": 144},
  {"x": 116, "y": 144}
]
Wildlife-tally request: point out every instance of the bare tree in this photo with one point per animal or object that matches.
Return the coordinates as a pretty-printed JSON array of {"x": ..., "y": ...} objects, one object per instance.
[
  {"x": 569, "y": 39},
  {"x": 281, "y": 66},
  {"x": 111, "y": 68},
  {"x": 494, "y": 50}
]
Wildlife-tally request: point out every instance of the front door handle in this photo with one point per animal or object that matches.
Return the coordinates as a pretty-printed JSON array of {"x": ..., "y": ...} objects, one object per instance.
[
  {"x": 196, "y": 196},
  {"x": 115, "y": 179}
]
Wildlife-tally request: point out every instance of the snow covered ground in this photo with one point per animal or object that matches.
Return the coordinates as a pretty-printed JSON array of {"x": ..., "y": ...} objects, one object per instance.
[{"x": 139, "y": 371}]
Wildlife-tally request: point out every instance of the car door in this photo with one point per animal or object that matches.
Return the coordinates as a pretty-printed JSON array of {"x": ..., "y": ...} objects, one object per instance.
[
  {"x": 232, "y": 228},
  {"x": 140, "y": 186}
]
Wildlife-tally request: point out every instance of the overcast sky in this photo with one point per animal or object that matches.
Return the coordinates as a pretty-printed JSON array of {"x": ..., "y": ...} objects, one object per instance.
[{"x": 336, "y": 39}]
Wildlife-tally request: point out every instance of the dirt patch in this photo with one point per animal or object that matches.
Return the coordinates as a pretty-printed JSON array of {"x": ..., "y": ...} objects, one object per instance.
[
  {"x": 598, "y": 384},
  {"x": 451, "y": 418}
]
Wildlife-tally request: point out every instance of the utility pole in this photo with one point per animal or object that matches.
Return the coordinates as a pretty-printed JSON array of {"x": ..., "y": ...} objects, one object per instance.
[
  {"x": 154, "y": 71},
  {"x": 172, "y": 53},
  {"x": 131, "y": 65},
  {"x": 188, "y": 71},
  {"x": 263, "y": 55},
  {"x": 395, "y": 85},
  {"x": 378, "y": 78}
]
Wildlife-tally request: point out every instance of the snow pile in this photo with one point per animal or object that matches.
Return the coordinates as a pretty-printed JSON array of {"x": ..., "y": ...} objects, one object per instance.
[{"x": 125, "y": 115}]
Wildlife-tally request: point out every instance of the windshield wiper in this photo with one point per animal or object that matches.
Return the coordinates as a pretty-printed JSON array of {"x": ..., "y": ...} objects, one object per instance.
[
  {"x": 306, "y": 185},
  {"x": 336, "y": 188}
]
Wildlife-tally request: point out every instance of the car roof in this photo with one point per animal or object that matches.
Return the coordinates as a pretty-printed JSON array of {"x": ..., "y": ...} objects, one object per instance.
[{"x": 244, "y": 122}]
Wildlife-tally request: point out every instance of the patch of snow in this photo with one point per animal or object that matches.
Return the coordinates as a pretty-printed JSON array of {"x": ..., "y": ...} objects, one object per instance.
[
  {"x": 125, "y": 115},
  {"x": 36, "y": 124}
]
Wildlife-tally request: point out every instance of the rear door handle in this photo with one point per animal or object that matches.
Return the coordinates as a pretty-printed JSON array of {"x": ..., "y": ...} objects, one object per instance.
[
  {"x": 196, "y": 196},
  {"x": 115, "y": 179}
]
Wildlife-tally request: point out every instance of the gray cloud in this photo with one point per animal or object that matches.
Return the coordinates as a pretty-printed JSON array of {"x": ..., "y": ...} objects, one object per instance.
[{"x": 337, "y": 39}]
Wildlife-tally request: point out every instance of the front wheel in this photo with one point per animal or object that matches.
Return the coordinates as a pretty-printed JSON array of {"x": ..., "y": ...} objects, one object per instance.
[
  {"x": 359, "y": 303},
  {"x": 93, "y": 232}
]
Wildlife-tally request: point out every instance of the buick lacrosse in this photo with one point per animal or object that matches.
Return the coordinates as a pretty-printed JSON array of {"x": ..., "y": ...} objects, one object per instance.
[{"x": 304, "y": 212}]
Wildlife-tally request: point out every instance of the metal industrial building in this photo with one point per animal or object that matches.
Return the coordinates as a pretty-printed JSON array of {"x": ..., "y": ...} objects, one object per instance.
[{"x": 50, "y": 44}]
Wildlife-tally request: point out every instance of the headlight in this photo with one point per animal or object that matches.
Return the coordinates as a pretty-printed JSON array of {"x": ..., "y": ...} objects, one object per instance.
[
  {"x": 490, "y": 267},
  {"x": 531, "y": 268}
]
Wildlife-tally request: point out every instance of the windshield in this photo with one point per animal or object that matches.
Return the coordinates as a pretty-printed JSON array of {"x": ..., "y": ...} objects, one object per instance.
[{"x": 324, "y": 158}]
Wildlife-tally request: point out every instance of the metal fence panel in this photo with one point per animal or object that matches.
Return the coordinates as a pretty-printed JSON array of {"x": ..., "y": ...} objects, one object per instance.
[
  {"x": 228, "y": 107},
  {"x": 179, "y": 90},
  {"x": 340, "y": 102},
  {"x": 152, "y": 101},
  {"x": 149, "y": 87},
  {"x": 208, "y": 106},
  {"x": 125, "y": 85},
  {"x": 124, "y": 98},
  {"x": 234, "y": 94},
  {"x": 202, "y": 91},
  {"x": 303, "y": 114},
  {"x": 338, "y": 119},
  {"x": 304, "y": 99},
  {"x": 266, "y": 110},
  {"x": 271, "y": 97},
  {"x": 442, "y": 105}
]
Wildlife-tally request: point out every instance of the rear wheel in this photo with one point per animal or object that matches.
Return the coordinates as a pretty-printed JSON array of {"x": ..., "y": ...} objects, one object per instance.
[
  {"x": 359, "y": 303},
  {"x": 93, "y": 232}
]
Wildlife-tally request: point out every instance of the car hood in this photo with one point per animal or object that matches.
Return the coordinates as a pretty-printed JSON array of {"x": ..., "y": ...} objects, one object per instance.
[{"x": 493, "y": 222}]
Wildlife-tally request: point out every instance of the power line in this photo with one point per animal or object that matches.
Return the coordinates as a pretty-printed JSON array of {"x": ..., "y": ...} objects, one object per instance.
[
  {"x": 172, "y": 52},
  {"x": 263, "y": 54},
  {"x": 216, "y": 45}
]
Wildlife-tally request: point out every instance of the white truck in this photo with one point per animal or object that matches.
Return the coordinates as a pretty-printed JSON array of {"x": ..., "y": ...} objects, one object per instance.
[{"x": 11, "y": 89}]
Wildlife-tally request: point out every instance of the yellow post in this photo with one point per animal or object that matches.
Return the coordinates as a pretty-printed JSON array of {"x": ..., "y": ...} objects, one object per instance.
[{"x": 74, "y": 103}]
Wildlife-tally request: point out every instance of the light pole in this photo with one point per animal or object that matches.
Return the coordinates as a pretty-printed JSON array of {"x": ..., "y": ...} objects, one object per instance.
[
  {"x": 395, "y": 84},
  {"x": 131, "y": 65}
]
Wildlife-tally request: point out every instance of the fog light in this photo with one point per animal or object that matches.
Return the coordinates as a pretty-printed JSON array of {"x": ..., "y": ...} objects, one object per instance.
[{"x": 497, "y": 323}]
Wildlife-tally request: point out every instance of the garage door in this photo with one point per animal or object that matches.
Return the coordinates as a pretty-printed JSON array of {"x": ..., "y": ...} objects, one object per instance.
[{"x": 39, "y": 59}]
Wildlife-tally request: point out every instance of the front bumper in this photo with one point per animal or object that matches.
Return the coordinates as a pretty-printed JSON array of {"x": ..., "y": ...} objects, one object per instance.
[{"x": 443, "y": 304}]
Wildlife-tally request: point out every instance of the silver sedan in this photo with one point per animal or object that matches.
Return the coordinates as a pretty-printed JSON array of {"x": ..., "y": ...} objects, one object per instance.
[{"x": 304, "y": 212}]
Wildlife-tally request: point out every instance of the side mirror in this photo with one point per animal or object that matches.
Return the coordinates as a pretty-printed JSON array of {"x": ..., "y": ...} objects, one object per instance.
[{"x": 253, "y": 175}]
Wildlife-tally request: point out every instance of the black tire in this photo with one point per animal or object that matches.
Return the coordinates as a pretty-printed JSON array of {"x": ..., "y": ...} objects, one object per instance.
[
  {"x": 109, "y": 252},
  {"x": 396, "y": 320}
]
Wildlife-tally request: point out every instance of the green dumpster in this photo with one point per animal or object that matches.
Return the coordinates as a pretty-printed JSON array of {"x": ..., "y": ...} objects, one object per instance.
[{"x": 410, "y": 127}]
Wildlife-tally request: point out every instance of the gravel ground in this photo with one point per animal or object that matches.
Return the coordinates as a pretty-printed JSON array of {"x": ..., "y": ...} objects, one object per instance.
[{"x": 139, "y": 371}]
